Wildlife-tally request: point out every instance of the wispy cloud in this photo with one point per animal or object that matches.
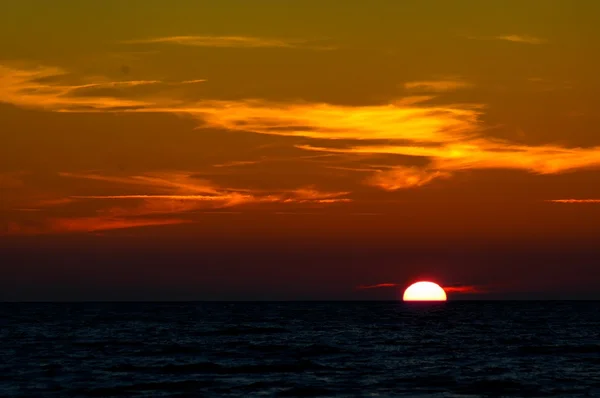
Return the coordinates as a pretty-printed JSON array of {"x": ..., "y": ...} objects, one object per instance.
[
  {"x": 404, "y": 177},
  {"x": 462, "y": 289},
  {"x": 264, "y": 159},
  {"x": 445, "y": 138},
  {"x": 310, "y": 193},
  {"x": 92, "y": 224},
  {"x": 450, "y": 157},
  {"x": 571, "y": 201},
  {"x": 465, "y": 289},
  {"x": 174, "y": 182},
  {"x": 377, "y": 286},
  {"x": 437, "y": 85},
  {"x": 521, "y": 39},
  {"x": 231, "y": 42},
  {"x": 152, "y": 199},
  {"x": 86, "y": 224},
  {"x": 41, "y": 87},
  {"x": 515, "y": 38},
  {"x": 336, "y": 122},
  {"x": 184, "y": 186},
  {"x": 228, "y": 199}
]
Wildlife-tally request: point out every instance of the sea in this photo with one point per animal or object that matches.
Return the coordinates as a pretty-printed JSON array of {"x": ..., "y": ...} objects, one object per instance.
[{"x": 301, "y": 349}]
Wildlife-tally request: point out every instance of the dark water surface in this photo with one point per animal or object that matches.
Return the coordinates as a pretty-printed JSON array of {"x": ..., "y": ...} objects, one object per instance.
[{"x": 354, "y": 349}]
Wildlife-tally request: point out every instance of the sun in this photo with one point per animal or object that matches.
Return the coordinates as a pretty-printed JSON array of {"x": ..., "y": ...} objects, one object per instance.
[{"x": 424, "y": 291}]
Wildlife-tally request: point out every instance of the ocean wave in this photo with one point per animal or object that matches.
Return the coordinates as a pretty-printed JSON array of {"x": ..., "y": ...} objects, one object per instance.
[
  {"x": 128, "y": 389},
  {"x": 214, "y": 368},
  {"x": 244, "y": 331},
  {"x": 301, "y": 349},
  {"x": 560, "y": 349},
  {"x": 500, "y": 387}
]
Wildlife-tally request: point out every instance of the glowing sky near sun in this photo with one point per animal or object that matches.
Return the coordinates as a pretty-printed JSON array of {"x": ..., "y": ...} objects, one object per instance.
[{"x": 427, "y": 123}]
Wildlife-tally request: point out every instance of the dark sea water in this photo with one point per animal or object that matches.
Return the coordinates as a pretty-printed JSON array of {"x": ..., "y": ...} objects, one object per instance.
[{"x": 301, "y": 349}]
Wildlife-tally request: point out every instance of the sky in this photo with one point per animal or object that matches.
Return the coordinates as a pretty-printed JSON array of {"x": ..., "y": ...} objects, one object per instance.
[{"x": 299, "y": 150}]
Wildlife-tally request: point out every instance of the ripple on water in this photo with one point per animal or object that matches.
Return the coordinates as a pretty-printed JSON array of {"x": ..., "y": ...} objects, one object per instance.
[{"x": 300, "y": 349}]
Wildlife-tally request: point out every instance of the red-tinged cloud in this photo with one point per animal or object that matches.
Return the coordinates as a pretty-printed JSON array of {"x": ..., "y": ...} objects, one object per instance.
[
  {"x": 445, "y": 139},
  {"x": 462, "y": 289},
  {"x": 172, "y": 187},
  {"x": 29, "y": 88},
  {"x": 466, "y": 289},
  {"x": 515, "y": 38},
  {"x": 231, "y": 42},
  {"x": 404, "y": 177},
  {"x": 91, "y": 224},
  {"x": 169, "y": 198},
  {"x": 584, "y": 201},
  {"x": 437, "y": 85},
  {"x": 86, "y": 224},
  {"x": 174, "y": 182},
  {"x": 377, "y": 286}
]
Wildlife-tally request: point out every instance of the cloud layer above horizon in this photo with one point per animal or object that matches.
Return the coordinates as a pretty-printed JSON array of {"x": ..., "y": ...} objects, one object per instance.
[
  {"x": 447, "y": 138},
  {"x": 174, "y": 118}
]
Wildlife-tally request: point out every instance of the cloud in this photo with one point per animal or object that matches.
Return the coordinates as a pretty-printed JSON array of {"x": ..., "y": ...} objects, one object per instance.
[
  {"x": 521, "y": 39},
  {"x": 54, "y": 202},
  {"x": 264, "y": 159},
  {"x": 238, "y": 163},
  {"x": 377, "y": 286},
  {"x": 462, "y": 289},
  {"x": 160, "y": 198},
  {"x": 571, "y": 201},
  {"x": 446, "y": 158},
  {"x": 120, "y": 89},
  {"x": 228, "y": 199},
  {"x": 29, "y": 88},
  {"x": 337, "y": 122},
  {"x": 436, "y": 85},
  {"x": 445, "y": 139},
  {"x": 231, "y": 42},
  {"x": 185, "y": 187},
  {"x": 310, "y": 193},
  {"x": 404, "y": 177},
  {"x": 44, "y": 88},
  {"x": 515, "y": 38},
  {"x": 173, "y": 182},
  {"x": 403, "y": 119},
  {"x": 465, "y": 289},
  {"x": 86, "y": 224}
]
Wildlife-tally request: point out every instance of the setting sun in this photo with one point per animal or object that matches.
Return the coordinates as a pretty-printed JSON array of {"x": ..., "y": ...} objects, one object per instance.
[{"x": 424, "y": 291}]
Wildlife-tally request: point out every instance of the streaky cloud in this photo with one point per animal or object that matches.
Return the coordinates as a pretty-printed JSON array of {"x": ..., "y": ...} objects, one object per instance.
[
  {"x": 522, "y": 39},
  {"x": 183, "y": 186},
  {"x": 168, "y": 198},
  {"x": 575, "y": 201},
  {"x": 174, "y": 181},
  {"x": 515, "y": 38},
  {"x": 462, "y": 289},
  {"x": 377, "y": 286},
  {"x": 404, "y": 177},
  {"x": 230, "y": 42},
  {"x": 63, "y": 225},
  {"x": 41, "y": 88},
  {"x": 447, "y": 138},
  {"x": 393, "y": 121},
  {"x": 437, "y": 85},
  {"x": 465, "y": 289}
]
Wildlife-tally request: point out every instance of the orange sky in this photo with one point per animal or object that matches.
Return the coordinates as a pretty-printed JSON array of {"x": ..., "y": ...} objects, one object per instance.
[{"x": 405, "y": 130}]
